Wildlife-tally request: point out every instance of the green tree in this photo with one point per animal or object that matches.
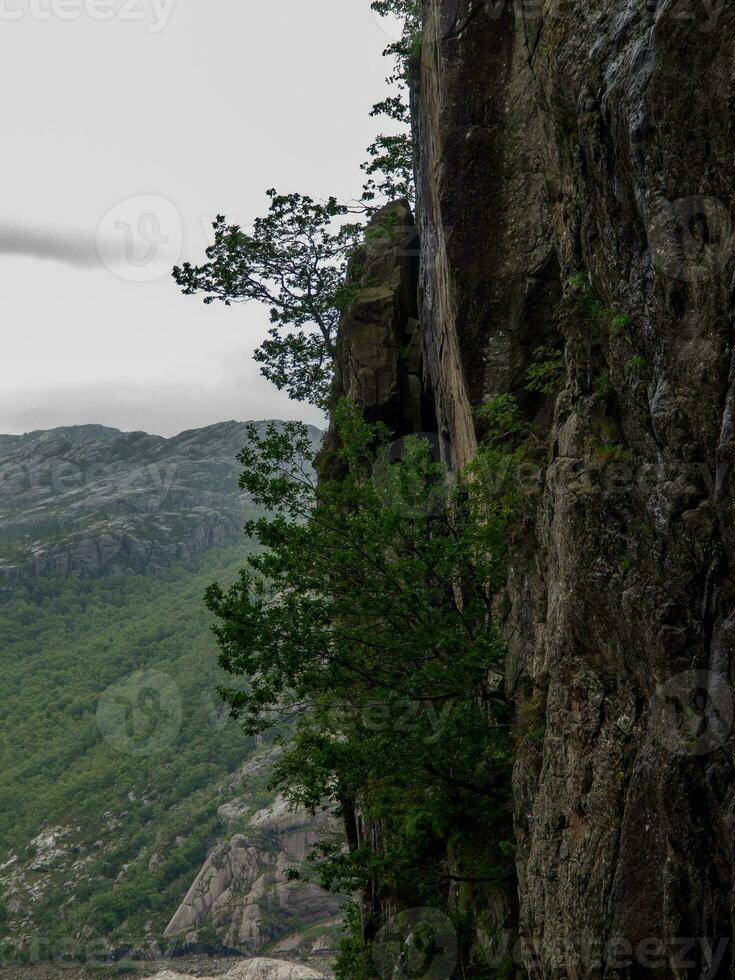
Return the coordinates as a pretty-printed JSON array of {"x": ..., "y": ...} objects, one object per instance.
[
  {"x": 366, "y": 625},
  {"x": 390, "y": 165},
  {"x": 294, "y": 261}
]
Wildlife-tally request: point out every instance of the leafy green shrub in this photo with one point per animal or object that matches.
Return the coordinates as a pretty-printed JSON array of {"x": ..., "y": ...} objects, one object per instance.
[
  {"x": 501, "y": 417},
  {"x": 579, "y": 281},
  {"x": 619, "y": 323},
  {"x": 581, "y": 299},
  {"x": 354, "y": 961},
  {"x": 547, "y": 371},
  {"x": 637, "y": 367}
]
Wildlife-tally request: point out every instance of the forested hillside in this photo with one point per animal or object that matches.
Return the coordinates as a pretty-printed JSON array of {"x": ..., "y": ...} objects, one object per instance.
[
  {"x": 114, "y": 745},
  {"x": 121, "y": 772}
]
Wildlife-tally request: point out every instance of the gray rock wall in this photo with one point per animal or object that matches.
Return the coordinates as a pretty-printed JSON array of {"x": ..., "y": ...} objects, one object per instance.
[{"x": 594, "y": 140}]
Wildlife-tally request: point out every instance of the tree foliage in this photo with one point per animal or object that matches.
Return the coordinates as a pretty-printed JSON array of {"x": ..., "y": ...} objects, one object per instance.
[
  {"x": 389, "y": 168},
  {"x": 407, "y": 11},
  {"x": 294, "y": 261},
  {"x": 367, "y": 622}
]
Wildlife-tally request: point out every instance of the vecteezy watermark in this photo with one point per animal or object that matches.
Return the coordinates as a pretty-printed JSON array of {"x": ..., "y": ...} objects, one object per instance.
[
  {"x": 217, "y": 712},
  {"x": 412, "y": 491},
  {"x": 691, "y": 239},
  {"x": 452, "y": 17},
  {"x": 143, "y": 489},
  {"x": 141, "y": 238},
  {"x": 584, "y": 953},
  {"x": 692, "y": 713},
  {"x": 69, "y": 953},
  {"x": 154, "y": 14},
  {"x": 703, "y": 15},
  {"x": 420, "y": 944},
  {"x": 142, "y": 714},
  {"x": 400, "y": 716},
  {"x": 416, "y": 943}
]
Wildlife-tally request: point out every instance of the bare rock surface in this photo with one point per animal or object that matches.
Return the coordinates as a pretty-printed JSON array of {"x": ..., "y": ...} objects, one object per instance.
[
  {"x": 258, "y": 968},
  {"x": 244, "y": 892},
  {"x": 243, "y": 889},
  {"x": 192, "y": 968},
  {"x": 569, "y": 148},
  {"x": 90, "y": 500}
]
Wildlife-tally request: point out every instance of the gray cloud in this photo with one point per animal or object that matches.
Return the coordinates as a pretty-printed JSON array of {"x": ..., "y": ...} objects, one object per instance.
[
  {"x": 70, "y": 246},
  {"x": 79, "y": 333}
]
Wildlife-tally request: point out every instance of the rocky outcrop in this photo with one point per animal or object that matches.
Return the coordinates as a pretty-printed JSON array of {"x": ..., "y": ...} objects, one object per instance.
[
  {"x": 244, "y": 892},
  {"x": 379, "y": 363},
  {"x": 584, "y": 149},
  {"x": 89, "y": 500},
  {"x": 255, "y": 969}
]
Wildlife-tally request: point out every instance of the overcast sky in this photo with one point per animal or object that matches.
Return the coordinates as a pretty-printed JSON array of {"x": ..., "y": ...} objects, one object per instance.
[{"x": 126, "y": 122}]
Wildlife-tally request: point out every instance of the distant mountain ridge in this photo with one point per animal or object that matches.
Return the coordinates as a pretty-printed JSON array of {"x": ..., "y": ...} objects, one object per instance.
[{"x": 93, "y": 500}]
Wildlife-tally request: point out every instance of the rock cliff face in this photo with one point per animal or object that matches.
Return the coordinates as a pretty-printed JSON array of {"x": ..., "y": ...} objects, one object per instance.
[
  {"x": 575, "y": 193},
  {"x": 561, "y": 139},
  {"x": 243, "y": 891},
  {"x": 379, "y": 348}
]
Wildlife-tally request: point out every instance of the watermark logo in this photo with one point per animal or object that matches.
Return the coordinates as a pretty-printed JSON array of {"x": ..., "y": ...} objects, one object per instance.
[
  {"x": 420, "y": 944},
  {"x": 691, "y": 239},
  {"x": 154, "y": 14},
  {"x": 141, "y": 238},
  {"x": 701, "y": 14},
  {"x": 217, "y": 712},
  {"x": 416, "y": 490},
  {"x": 142, "y": 714},
  {"x": 144, "y": 489},
  {"x": 692, "y": 713}
]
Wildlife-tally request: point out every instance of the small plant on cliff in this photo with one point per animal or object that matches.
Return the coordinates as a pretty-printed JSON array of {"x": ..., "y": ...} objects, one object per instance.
[
  {"x": 603, "y": 385},
  {"x": 367, "y": 623},
  {"x": 390, "y": 164},
  {"x": 620, "y": 323},
  {"x": 581, "y": 300},
  {"x": 546, "y": 372},
  {"x": 637, "y": 367}
]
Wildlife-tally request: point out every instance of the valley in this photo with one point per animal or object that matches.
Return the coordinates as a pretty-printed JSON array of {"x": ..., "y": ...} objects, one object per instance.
[{"x": 136, "y": 819}]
